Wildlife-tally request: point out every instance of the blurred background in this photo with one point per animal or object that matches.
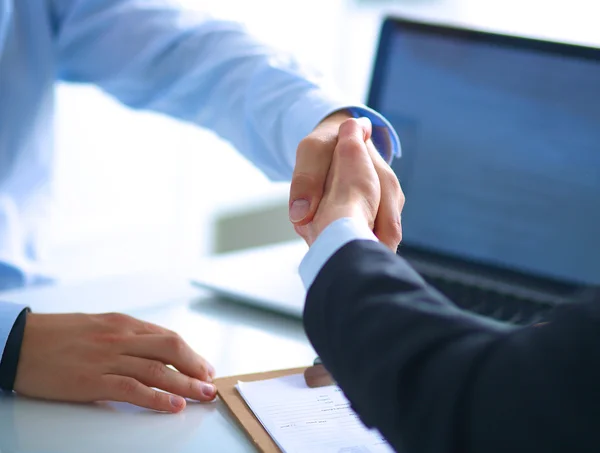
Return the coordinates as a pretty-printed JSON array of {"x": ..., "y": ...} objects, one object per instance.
[{"x": 141, "y": 192}]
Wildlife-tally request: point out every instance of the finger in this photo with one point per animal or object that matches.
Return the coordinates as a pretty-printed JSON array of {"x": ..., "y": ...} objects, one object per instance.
[
  {"x": 129, "y": 390},
  {"x": 388, "y": 223},
  {"x": 153, "y": 373},
  {"x": 170, "y": 350},
  {"x": 313, "y": 160},
  {"x": 352, "y": 160}
]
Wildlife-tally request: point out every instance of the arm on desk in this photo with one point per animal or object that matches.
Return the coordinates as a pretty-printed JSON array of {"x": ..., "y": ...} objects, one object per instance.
[{"x": 432, "y": 378}]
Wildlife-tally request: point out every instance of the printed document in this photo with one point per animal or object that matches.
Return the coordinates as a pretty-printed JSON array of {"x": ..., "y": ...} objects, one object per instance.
[{"x": 309, "y": 420}]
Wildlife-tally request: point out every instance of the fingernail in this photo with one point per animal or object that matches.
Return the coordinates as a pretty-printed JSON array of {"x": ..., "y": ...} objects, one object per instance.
[
  {"x": 299, "y": 210},
  {"x": 177, "y": 402},
  {"x": 208, "y": 390}
]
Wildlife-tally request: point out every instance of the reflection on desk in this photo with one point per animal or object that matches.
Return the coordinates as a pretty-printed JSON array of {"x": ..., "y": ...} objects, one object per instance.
[{"x": 33, "y": 426}]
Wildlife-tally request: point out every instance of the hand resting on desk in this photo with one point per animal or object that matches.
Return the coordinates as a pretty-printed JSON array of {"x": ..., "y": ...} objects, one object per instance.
[{"x": 88, "y": 358}]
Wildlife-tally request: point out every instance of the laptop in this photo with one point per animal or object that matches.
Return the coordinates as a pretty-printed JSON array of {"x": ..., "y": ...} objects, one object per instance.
[
  {"x": 264, "y": 277},
  {"x": 500, "y": 167}
]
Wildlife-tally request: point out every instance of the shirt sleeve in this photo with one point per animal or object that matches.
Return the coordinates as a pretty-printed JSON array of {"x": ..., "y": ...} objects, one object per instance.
[
  {"x": 331, "y": 239},
  {"x": 157, "y": 55},
  {"x": 9, "y": 363},
  {"x": 8, "y": 315}
]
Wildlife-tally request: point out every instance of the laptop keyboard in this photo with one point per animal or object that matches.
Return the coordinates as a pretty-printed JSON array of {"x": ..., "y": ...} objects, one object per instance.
[{"x": 494, "y": 304}]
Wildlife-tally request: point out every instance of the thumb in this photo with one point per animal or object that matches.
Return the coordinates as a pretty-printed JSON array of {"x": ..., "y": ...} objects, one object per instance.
[
  {"x": 312, "y": 171},
  {"x": 351, "y": 159}
]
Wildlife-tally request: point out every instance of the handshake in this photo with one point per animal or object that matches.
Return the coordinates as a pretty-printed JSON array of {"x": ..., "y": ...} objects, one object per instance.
[{"x": 359, "y": 185}]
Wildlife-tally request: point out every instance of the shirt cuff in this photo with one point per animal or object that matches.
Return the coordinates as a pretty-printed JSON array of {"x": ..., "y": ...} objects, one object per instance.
[
  {"x": 8, "y": 315},
  {"x": 312, "y": 108},
  {"x": 331, "y": 239},
  {"x": 384, "y": 135}
]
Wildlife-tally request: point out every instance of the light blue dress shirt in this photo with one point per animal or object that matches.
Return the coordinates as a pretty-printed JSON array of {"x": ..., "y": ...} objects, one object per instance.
[
  {"x": 331, "y": 239},
  {"x": 149, "y": 54}
]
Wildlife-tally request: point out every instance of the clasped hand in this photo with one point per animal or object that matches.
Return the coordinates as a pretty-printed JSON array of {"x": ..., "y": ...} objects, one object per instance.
[
  {"x": 319, "y": 167},
  {"x": 359, "y": 184}
]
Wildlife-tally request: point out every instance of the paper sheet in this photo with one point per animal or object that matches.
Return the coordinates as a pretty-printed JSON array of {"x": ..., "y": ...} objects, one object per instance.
[{"x": 305, "y": 420}]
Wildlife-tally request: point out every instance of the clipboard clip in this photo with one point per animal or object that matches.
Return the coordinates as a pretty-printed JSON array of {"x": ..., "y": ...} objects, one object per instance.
[{"x": 317, "y": 376}]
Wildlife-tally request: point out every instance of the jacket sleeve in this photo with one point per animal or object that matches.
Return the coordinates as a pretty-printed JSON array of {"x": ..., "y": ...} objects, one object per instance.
[{"x": 435, "y": 379}]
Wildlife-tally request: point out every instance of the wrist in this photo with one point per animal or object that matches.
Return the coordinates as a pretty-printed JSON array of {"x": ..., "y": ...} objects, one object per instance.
[{"x": 353, "y": 213}]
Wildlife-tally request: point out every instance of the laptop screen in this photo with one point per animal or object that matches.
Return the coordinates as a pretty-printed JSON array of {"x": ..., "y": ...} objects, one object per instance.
[{"x": 501, "y": 147}]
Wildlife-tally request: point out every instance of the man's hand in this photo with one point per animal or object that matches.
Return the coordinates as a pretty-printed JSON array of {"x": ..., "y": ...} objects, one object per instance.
[
  {"x": 313, "y": 162},
  {"x": 110, "y": 357},
  {"x": 353, "y": 187}
]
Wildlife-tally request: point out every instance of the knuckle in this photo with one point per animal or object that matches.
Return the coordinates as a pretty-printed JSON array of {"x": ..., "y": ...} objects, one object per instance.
[
  {"x": 397, "y": 232},
  {"x": 391, "y": 179},
  {"x": 116, "y": 319},
  {"x": 371, "y": 187},
  {"x": 191, "y": 386},
  {"x": 204, "y": 368},
  {"x": 402, "y": 200},
  {"x": 176, "y": 344},
  {"x": 394, "y": 231},
  {"x": 349, "y": 126},
  {"x": 127, "y": 387},
  {"x": 156, "y": 370},
  {"x": 390, "y": 231},
  {"x": 359, "y": 129},
  {"x": 350, "y": 122},
  {"x": 312, "y": 141},
  {"x": 157, "y": 399},
  {"x": 153, "y": 328}
]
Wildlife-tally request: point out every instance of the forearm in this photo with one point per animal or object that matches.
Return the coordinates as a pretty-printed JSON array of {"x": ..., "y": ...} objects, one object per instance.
[{"x": 156, "y": 55}]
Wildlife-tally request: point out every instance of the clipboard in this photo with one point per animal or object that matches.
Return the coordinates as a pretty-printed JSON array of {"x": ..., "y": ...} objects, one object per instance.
[{"x": 315, "y": 376}]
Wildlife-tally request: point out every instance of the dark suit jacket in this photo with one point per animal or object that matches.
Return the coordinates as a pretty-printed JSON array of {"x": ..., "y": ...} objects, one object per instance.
[{"x": 435, "y": 379}]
